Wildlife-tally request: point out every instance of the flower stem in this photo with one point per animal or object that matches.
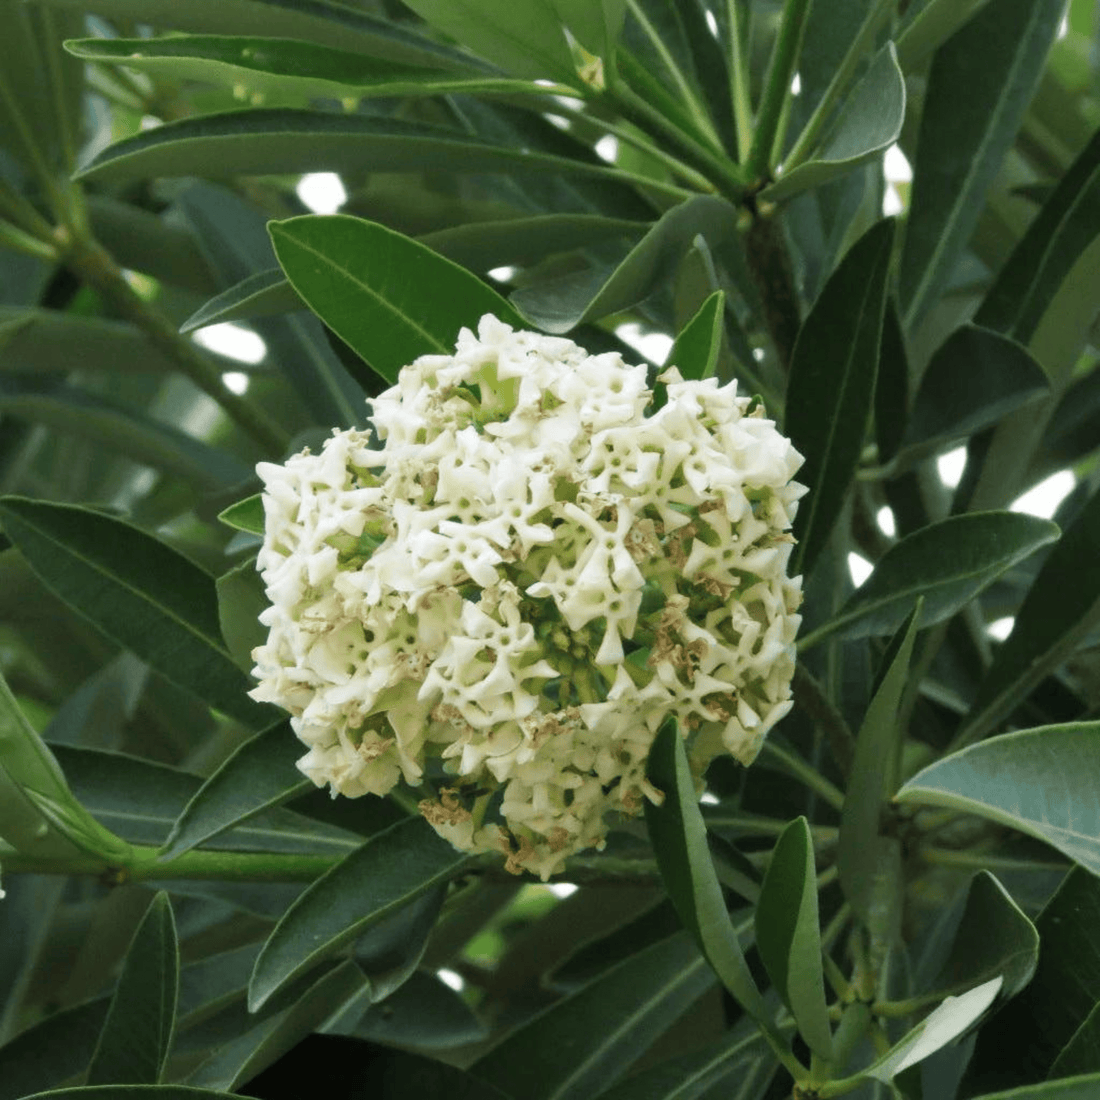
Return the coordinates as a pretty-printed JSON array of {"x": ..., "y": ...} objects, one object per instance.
[{"x": 795, "y": 766}]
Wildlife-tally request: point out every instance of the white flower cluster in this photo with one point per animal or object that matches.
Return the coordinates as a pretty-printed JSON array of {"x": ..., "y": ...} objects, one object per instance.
[{"x": 505, "y": 598}]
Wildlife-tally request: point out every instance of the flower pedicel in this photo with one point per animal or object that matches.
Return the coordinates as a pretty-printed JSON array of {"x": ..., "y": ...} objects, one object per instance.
[{"x": 501, "y": 599}]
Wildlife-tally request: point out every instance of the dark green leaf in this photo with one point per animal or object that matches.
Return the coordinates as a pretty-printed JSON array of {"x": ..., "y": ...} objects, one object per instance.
[
  {"x": 1072, "y": 1088},
  {"x": 393, "y": 868},
  {"x": 1060, "y": 609},
  {"x": 930, "y": 25},
  {"x": 338, "y": 25},
  {"x": 132, "y": 1092},
  {"x": 142, "y": 800},
  {"x": 948, "y": 563},
  {"x": 137, "y": 590},
  {"x": 137, "y": 1034},
  {"x": 587, "y": 1040},
  {"x": 861, "y": 854},
  {"x": 261, "y": 774},
  {"x": 241, "y": 1059},
  {"x": 389, "y": 298},
  {"x": 241, "y": 600},
  {"x": 1042, "y": 1020},
  {"x": 264, "y": 294},
  {"x": 679, "y": 838},
  {"x": 246, "y": 515},
  {"x": 561, "y": 305},
  {"x": 868, "y": 123},
  {"x": 118, "y": 426},
  {"x": 1082, "y": 1053},
  {"x": 51, "y": 1051},
  {"x": 1067, "y": 224},
  {"x": 976, "y": 377},
  {"x": 788, "y": 935},
  {"x": 979, "y": 86},
  {"x": 697, "y": 346},
  {"x": 832, "y": 385},
  {"x": 892, "y": 387},
  {"x": 994, "y": 938},
  {"x": 1040, "y": 781},
  {"x": 280, "y": 65},
  {"x": 265, "y": 140}
]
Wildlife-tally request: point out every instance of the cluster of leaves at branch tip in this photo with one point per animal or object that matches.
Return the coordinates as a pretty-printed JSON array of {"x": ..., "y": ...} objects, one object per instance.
[{"x": 501, "y": 602}]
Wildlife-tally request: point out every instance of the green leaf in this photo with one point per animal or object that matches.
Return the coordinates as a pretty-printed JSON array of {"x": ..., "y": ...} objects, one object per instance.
[
  {"x": 245, "y": 515},
  {"x": 261, "y": 774},
  {"x": 138, "y": 591},
  {"x": 975, "y": 377},
  {"x": 52, "y": 1050},
  {"x": 562, "y": 304},
  {"x": 931, "y": 25},
  {"x": 994, "y": 938},
  {"x": 1041, "y": 1021},
  {"x": 832, "y": 384},
  {"x": 330, "y": 24},
  {"x": 788, "y": 935},
  {"x": 261, "y": 141},
  {"x": 1059, "y": 611},
  {"x": 282, "y": 65},
  {"x": 527, "y": 39},
  {"x": 387, "y": 297},
  {"x": 738, "y": 1061},
  {"x": 696, "y": 348},
  {"x": 142, "y": 800},
  {"x": 391, "y": 869},
  {"x": 132, "y": 1092},
  {"x": 119, "y": 426},
  {"x": 28, "y": 769},
  {"x": 679, "y": 838},
  {"x": 869, "y": 122},
  {"x": 1082, "y": 1053},
  {"x": 1040, "y": 781},
  {"x": 892, "y": 386},
  {"x": 948, "y": 563},
  {"x": 979, "y": 85},
  {"x": 241, "y": 600},
  {"x": 940, "y": 1027},
  {"x": 242, "y": 1058},
  {"x": 265, "y": 294},
  {"x": 1072, "y": 1088},
  {"x": 588, "y": 1039},
  {"x": 862, "y": 857},
  {"x": 136, "y": 1039}
]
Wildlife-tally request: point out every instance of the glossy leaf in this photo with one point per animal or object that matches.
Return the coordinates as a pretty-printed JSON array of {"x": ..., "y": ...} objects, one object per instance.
[
  {"x": 589, "y": 1038},
  {"x": 562, "y": 304},
  {"x": 948, "y": 563},
  {"x": 1060, "y": 609},
  {"x": 265, "y": 294},
  {"x": 142, "y": 800},
  {"x": 137, "y": 590},
  {"x": 978, "y": 88},
  {"x": 1040, "y": 781},
  {"x": 861, "y": 854},
  {"x": 832, "y": 384},
  {"x": 695, "y": 350},
  {"x": 679, "y": 838},
  {"x": 387, "y": 297},
  {"x": 788, "y": 935},
  {"x": 246, "y": 515},
  {"x": 260, "y": 141},
  {"x": 868, "y": 123},
  {"x": 137, "y": 1033},
  {"x": 975, "y": 378},
  {"x": 940, "y": 1027},
  {"x": 241, "y": 1059},
  {"x": 391, "y": 869},
  {"x": 994, "y": 939},
  {"x": 287, "y": 65},
  {"x": 311, "y": 20},
  {"x": 259, "y": 775}
]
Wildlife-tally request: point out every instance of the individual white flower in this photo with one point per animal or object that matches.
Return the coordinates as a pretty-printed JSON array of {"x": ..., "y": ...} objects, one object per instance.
[{"x": 501, "y": 598}]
